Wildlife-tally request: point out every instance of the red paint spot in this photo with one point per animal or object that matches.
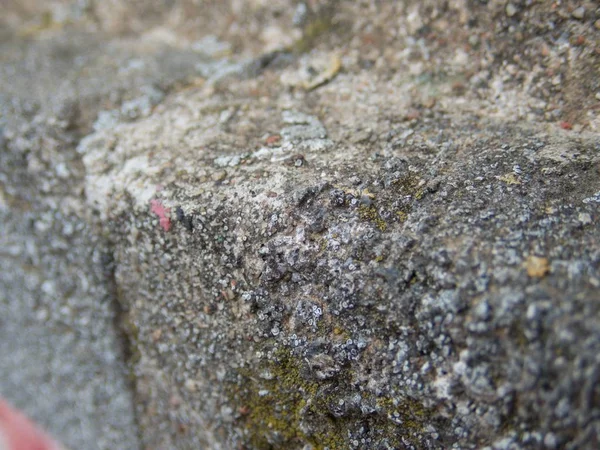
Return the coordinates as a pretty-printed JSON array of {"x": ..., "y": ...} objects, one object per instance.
[
  {"x": 412, "y": 115},
  {"x": 566, "y": 126},
  {"x": 273, "y": 139},
  {"x": 158, "y": 208}
]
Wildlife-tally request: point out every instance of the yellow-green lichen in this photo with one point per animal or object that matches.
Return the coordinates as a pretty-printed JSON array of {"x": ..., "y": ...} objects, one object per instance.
[
  {"x": 410, "y": 185},
  {"x": 402, "y": 216},
  {"x": 287, "y": 409},
  {"x": 369, "y": 213},
  {"x": 312, "y": 32},
  {"x": 275, "y": 407},
  {"x": 509, "y": 179},
  {"x": 404, "y": 413}
]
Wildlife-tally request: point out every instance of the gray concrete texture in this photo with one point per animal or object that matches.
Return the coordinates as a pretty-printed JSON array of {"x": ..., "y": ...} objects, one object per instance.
[{"x": 302, "y": 225}]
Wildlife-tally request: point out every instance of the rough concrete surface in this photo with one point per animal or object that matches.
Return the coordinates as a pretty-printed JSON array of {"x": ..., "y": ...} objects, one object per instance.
[{"x": 302, "y": 225}]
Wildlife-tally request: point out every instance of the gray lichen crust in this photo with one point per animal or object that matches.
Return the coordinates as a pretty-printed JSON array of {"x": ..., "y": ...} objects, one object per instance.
[{"x": 382, "y": 232}]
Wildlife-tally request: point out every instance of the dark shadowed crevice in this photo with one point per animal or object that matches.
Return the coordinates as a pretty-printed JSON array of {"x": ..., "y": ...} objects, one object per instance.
[{"x": 125, "y": 333}]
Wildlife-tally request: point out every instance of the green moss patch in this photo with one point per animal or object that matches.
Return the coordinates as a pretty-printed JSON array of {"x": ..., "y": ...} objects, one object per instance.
[{"x": 282, "y": 408}]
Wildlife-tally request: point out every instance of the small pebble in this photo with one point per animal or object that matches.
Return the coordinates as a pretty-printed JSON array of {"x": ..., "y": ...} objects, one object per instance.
[
  {"x": 597, "y": 24},
  {"x": 597, "y": 95},
  {"x": 579, "y": 13},
  {"x": 511, "y": 10},
  {"x": 550, "y": 440},
  {"x": 219, "y": 176},
  {"x": 556, "y": 80},
  {"x": 429, "y": 102},
  {"x": 585, "y": 218},
  {"x": 537, "y": 267}
]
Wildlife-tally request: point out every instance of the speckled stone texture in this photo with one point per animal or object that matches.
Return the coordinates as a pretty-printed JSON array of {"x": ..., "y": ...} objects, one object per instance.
[{"x": 366, "y": 225}]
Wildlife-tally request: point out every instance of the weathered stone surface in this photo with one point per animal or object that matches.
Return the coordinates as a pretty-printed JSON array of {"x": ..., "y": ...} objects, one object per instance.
[
  {"x": 383, "y": 235},
  {"x": 375, "y": 293},
  {"x": 62, "y": 357}
]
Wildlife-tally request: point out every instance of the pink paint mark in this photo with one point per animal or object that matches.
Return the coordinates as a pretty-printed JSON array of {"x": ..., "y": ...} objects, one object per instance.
[
  {"x": 17, "y": 432},
  {"x": 566, "y": 125},
  {"x": 163, "y": 214}
]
